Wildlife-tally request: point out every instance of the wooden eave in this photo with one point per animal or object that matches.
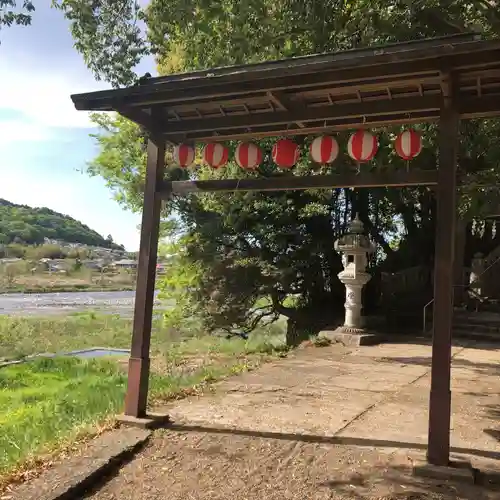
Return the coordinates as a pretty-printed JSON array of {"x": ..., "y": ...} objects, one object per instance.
[{"x": 394, "y": 84}]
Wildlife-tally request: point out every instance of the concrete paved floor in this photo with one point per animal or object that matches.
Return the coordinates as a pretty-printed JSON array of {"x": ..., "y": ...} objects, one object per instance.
[{"x": 345, "y": 413}]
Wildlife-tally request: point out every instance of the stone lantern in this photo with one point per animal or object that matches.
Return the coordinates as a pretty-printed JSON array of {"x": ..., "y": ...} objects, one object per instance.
[{"x": 355, "y": 248}]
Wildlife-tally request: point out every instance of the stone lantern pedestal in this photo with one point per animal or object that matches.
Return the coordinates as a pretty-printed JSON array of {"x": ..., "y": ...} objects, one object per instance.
[{"x": 355, "y": 247}]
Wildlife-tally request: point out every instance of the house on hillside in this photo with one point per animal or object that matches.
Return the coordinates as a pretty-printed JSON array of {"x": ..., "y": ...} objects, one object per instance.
[
  {"x": 11, "y": 260},
  {"x": 93, "y": 263},
  {"x": 53, "y": 265}
]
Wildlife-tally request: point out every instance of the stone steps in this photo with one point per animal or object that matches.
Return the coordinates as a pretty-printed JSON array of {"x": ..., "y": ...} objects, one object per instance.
[{"x": 476, "y": 325}]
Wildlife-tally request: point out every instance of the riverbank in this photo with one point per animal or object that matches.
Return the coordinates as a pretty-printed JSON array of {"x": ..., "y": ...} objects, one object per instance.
[
  {"x": 77, "y": 281},
  {"x": 68, "y": 303},
  {"x": 48, "y": 404},
  {"x": 67, "y": 289}
]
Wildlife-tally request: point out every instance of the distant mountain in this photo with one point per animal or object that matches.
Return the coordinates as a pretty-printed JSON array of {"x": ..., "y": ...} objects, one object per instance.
[{"x": 28, "y": 225}]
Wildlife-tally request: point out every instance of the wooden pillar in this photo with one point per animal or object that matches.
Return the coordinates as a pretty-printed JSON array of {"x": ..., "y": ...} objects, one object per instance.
[
  {"x": 138, "y": 368},
  {"x": 440, "y": 396}
]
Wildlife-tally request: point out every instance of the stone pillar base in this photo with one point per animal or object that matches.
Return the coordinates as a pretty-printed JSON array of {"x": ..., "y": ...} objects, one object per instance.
[
  {"x": 353, "y": 337},
  {"x": 150, "y": 421},
  {"x": 455, "y": 471}
]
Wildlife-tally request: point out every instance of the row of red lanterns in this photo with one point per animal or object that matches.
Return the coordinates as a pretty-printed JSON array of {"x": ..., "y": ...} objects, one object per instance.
[{"x": 362, "y": 147}]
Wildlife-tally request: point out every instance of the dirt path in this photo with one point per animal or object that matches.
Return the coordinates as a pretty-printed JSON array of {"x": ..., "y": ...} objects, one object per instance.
[{"x": 327, "y": 423}]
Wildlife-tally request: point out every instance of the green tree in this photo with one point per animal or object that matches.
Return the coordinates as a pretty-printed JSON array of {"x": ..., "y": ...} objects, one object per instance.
[
  {"x": 107, "y": 34},
  {"x": 15, "y": 13},
  {"x": 31, "y": 226},
  {"x": 14, "y": 250}
]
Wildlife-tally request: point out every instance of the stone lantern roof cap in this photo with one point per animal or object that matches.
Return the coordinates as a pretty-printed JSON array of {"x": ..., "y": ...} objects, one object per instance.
[
  {"x": 354, "y": 239},
  {"x": 356, "y": 226}
]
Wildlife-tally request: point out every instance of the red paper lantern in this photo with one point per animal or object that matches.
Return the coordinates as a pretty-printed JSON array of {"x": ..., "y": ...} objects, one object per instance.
[
  {"x": 285, "y": 153},
  {"x": 324, "y": 149},
  {"x": 215, "y": 155},
  {"x": 183, "y": 155},
  {"x": 408, "y": 144},
  {"x": 362, "y": 146},
  {"x": 248, "y": 155}
]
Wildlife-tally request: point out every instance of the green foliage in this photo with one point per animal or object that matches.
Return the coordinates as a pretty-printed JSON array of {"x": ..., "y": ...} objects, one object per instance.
[
  {"x": 13, "y": 12},
  {"x": 47, "y": 251},
  {"x": 204, "y": 33},
  {"x": 122, "y": 158},
  {"x": 14, "y": 250},
  {"x": 23, "y": 224},
  {"x": 107, "y": 35},
  {"x": 177, "y": 285}
]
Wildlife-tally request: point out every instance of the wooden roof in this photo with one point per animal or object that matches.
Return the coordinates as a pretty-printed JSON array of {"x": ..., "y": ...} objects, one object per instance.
[{"x": 399, "y": 83}]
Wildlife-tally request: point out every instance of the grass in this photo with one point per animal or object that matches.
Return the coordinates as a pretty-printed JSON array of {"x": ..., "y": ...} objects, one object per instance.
[
  {"x": 48, "y": 400},
  {"x": 48, "y": 403},
  {"x": 24, "y": 336}
]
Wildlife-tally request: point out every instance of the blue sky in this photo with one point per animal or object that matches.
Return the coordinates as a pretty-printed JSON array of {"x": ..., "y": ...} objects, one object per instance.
[{"x": 44, "y": 141}]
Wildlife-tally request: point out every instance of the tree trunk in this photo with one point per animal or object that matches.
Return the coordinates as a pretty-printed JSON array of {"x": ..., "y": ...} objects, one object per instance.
[{"x": 298, "y": 330}]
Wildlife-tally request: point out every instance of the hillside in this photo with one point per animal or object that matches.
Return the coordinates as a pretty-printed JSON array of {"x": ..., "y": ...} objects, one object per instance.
[{"x": 23, "y": 224}]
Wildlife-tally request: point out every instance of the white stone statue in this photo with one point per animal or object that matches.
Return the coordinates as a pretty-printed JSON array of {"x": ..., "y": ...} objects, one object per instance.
[{"x": 477, "y": 269}]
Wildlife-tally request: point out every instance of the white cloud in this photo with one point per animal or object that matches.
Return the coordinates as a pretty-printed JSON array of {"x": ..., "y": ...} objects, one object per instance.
[
  {"x": 44, "y": 98},
  {"x": 19, "y": 131}
]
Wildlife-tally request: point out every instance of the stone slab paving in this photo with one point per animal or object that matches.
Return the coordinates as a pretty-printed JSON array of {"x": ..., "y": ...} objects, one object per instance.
[{"x": 326, "y": 423}]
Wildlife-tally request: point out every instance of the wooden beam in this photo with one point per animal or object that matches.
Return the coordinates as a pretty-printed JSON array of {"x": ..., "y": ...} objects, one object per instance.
[
  {"x": 486, "y": 106},
  {"x": 183, "y": 93},
  {"x": 289, "y": 182},
  {"x": 351, "y": 77},
  {"x": 152, "y": 124},
  {"x": 440, "y": 395},
  {"x": 286, "y": 104},
  {"x": 307, "y": 114},
  {"x": 138, "y": 371},
  {"x": 312, "y": 128}
]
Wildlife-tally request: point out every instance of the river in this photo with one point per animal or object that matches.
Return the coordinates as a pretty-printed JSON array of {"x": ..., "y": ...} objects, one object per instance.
[{"x": 45, "y": 304}]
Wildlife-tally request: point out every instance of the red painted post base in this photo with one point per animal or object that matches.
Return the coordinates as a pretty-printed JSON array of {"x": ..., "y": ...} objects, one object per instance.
[{"x": 137, "y": 387}]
